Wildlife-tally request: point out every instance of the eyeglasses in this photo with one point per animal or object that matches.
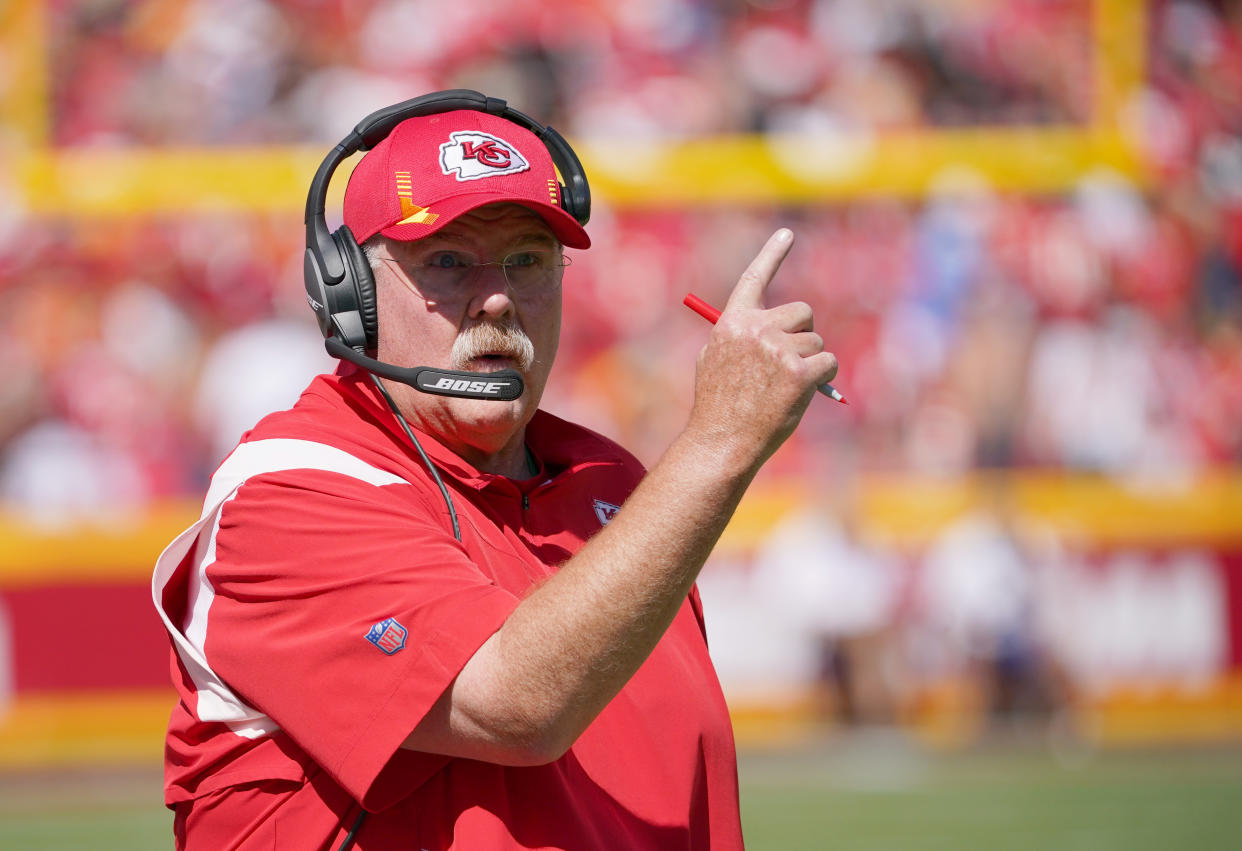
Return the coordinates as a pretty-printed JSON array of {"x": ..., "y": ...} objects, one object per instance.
[{"x": 444, "y": 274}]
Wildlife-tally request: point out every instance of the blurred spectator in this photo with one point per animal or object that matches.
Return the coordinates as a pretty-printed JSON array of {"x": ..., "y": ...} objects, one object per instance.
[
  {"x": 976, "y": 619},
  {"x": 1093, "y": 392},
  {"x": 820, "y": 578},
  {"x": 57, "y": 476},
  {"x": 251, "y": 372}
]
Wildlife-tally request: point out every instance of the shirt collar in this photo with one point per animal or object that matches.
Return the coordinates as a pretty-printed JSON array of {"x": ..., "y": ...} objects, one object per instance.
[{"x": 557, "y": 444}]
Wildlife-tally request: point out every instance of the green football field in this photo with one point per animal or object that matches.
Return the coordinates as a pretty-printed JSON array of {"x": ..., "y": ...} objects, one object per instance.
[{"x": 875, "y": 792}]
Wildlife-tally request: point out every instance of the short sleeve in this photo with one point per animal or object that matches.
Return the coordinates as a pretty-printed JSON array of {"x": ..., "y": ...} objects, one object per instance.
[{"x": 343, "y": 610}]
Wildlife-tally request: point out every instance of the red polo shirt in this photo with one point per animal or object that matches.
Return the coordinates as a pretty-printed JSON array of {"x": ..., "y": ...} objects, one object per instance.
[{"x": 322, "y": 605}]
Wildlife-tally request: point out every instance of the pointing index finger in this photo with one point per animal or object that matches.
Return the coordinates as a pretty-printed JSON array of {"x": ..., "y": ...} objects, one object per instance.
[{"x": 751, "y": 286}]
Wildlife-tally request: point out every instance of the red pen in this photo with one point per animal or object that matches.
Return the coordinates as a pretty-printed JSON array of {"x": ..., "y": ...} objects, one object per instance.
[{"x": 711, "y": 314}]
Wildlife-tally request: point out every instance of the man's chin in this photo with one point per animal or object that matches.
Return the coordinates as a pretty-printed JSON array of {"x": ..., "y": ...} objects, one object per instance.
[{"x": 490, "y": 416}]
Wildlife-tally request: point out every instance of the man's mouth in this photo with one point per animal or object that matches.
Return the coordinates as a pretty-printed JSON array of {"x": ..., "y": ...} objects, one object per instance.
[{"x": 492, "y": 362}]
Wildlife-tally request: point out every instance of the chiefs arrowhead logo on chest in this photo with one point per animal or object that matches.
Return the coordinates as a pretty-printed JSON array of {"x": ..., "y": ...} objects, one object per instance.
[
  {"x": 604, "y": 511},
  {"x": 471, "y": 155}
]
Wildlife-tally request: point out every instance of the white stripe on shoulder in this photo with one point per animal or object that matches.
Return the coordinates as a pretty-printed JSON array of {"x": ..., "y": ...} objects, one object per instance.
[
  {"x": 216, "y": 701},
  {"x": 279, "y": 454}
]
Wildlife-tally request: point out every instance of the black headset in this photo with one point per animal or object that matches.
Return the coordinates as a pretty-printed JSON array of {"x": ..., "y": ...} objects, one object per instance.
[{"x": 340, "y": 286}]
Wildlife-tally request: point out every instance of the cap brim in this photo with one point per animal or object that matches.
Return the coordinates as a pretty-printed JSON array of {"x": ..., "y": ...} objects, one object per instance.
[{"x": 564, "y": 226}]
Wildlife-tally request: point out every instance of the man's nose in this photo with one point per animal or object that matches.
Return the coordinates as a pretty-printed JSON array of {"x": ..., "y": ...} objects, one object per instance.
[{"x": 491, "y": 296}]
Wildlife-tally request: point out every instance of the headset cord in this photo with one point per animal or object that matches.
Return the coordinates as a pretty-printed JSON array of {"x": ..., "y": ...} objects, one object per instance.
[
  {"x": 431, "y": 468},
  {"x": 352, "y": 836},
  {"x": 353, "y": 832}
]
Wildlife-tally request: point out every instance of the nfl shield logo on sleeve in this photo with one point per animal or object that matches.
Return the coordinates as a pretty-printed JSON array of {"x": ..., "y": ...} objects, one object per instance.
[{"x": 387, "y": 635}]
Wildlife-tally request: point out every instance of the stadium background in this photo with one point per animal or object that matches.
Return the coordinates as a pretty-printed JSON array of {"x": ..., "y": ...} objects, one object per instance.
[{"x": 1020, "y": 224}]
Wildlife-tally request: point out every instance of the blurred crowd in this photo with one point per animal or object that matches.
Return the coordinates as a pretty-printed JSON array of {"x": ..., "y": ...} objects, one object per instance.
[
  {"x": 1099, "y": 329},
  {"x": 263, "y": 71},
  {"x": 1095, "y": 330}
]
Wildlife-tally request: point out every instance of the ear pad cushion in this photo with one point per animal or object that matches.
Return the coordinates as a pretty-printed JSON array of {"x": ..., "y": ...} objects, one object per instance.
[{"x": 364, "y": 284}]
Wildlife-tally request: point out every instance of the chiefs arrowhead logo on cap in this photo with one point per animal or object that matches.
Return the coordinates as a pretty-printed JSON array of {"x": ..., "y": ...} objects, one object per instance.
[{"x": 472, "y": 154}]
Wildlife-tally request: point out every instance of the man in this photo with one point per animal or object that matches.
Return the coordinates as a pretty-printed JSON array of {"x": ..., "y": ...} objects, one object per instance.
[{"x": 356, "y": 663}]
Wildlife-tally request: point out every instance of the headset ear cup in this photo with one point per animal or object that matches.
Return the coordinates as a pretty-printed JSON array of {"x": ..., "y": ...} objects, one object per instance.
[
  {"x": 575, "y": 191},
  {"x": 576, "y": 205},
  {"x": 359, "y": 269},
  {"x": 568, "y": 203}
]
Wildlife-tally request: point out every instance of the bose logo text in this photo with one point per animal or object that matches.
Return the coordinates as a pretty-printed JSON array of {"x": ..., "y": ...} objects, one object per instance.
[{"x": 491, "y": 388}]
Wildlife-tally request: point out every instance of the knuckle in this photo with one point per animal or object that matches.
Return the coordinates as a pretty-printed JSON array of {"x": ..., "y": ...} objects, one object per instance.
[
  {"x": 795, "y": 316},
  {"x": 831, "y": 365}
]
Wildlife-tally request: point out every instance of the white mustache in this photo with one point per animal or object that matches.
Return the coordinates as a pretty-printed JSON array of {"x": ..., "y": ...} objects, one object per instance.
[{"x": 492, "y": 338}]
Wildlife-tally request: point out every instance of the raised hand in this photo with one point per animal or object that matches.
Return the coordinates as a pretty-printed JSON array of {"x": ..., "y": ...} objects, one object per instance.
[{"x": 760, "y": 366}]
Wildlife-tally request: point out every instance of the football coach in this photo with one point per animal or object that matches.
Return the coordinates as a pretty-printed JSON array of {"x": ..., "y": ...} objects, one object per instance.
[{"x": 417, "y": 612}]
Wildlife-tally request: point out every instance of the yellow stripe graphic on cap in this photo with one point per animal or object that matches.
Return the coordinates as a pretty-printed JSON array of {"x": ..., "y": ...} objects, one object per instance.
[
  {"x": 411, "y": 213},
  {"x": 414, "y": 214}
]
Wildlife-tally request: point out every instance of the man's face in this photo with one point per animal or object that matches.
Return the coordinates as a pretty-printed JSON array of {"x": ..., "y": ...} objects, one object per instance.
[{"x": 427, "y": 304}]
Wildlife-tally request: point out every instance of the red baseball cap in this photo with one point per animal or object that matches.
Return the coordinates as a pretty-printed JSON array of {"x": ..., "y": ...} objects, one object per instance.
[{"x": 432, "y": 169}]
